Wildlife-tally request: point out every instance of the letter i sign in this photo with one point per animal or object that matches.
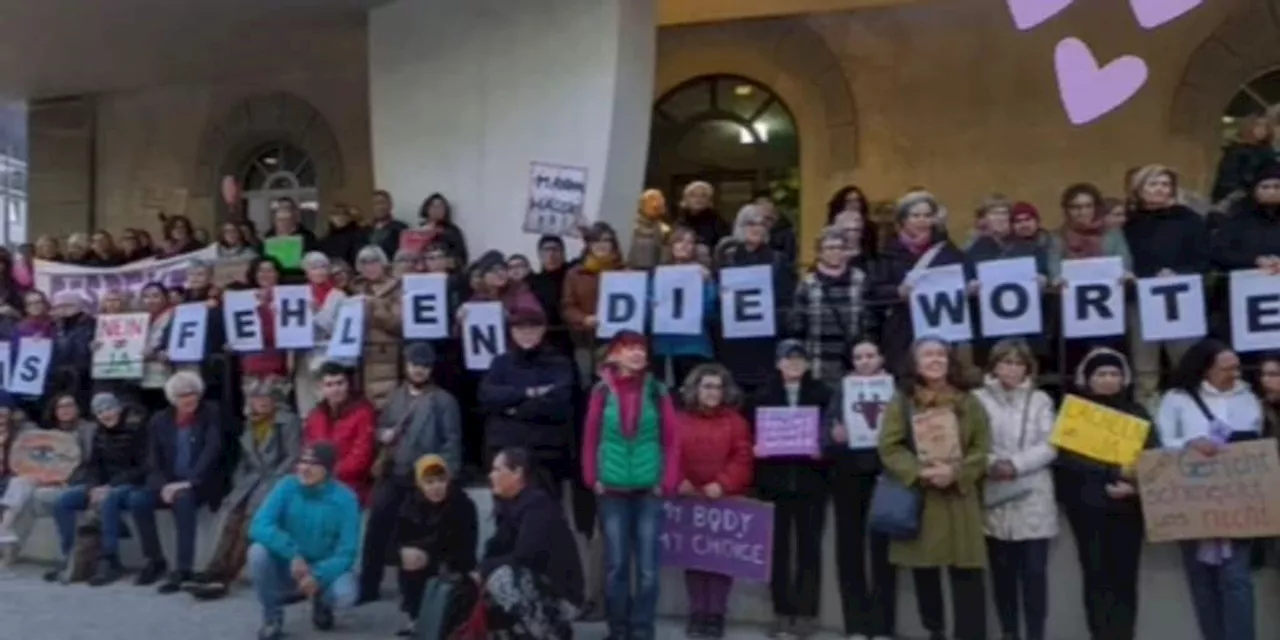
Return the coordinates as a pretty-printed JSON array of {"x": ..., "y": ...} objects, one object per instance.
[{"x": 1090, "y": 90}]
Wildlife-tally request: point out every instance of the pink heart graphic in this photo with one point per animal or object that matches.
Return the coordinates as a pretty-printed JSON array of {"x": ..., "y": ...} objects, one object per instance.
[
  {"x": 1028, "y": 14},
  {"x": 1089, "y": 91},
  {"x": 1153, "y": 13}
]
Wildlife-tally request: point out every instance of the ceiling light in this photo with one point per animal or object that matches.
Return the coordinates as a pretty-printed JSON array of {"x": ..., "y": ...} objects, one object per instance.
[{"x": 743, "y": 90}]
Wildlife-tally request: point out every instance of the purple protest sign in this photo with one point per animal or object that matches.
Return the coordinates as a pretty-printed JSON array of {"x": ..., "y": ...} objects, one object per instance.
[
  {"x": 732, "y": 536},
  {"x": 786, "y": 431}
]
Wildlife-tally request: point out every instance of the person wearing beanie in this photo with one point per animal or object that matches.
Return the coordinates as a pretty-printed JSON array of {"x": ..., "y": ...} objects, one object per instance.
[
  {"x": 1010, "y": 231},
  {"x": 1102, "y": 507},
  {"x": 1249, "y": 238},
  {"x": 919, "y": 245},
  {"x": 419, "y": 419},
  {"x": 797, "y": 487},
  {"x": 526, "y": 399},
  {"x": 437, "y": 532},
  {"x": 630, "y": 457},
  {"x": 269, "y": 450},
  {"x": 383, "y": 330},
  {"x": 115, "y": 470},
  {"x": 304, "y": 540}
]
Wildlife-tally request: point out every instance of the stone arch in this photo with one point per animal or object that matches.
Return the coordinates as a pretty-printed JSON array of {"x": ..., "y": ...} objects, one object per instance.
[
  {"x": 1240, "y": 49},
  {"x": 257, "y": 121},
  {"x": 792, "y": 60}
]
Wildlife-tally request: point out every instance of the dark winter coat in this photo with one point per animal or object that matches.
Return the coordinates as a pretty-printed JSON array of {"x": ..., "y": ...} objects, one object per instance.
[
  {"x": 1239, "y": 167},
  {"x": 1252, "y": 231},
  {"x": 206, "y": 451},
  {"x": 543, "y": 424},
  {"x": 1174, "y": 238},
  {"x": 343, "y": 243},
  {"x": 783, "y": 477},
  {"x": 119, "y": 454},
  {"x": 750, "y": 360},
  {"x": 447, "y": 532},
  {"x": 532, "y": 532}
]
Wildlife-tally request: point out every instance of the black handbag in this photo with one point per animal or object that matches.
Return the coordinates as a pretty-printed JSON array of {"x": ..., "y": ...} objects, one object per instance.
[
  {"x": 446, "y": 604},
  {"x": 895, "y": 507}
]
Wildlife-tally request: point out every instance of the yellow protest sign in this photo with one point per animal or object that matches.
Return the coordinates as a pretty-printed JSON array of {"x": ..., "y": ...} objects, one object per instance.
[{"x": 1099, "y": 432}]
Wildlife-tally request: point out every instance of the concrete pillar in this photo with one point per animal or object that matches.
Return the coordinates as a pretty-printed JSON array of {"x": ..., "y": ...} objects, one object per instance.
[
  {"x": 60, "y": 182},
  {"x": 465, "y": 94}
]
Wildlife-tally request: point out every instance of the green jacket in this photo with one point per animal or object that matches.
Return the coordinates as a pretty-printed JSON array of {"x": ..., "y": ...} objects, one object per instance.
[{"x": 633, "y": 463}]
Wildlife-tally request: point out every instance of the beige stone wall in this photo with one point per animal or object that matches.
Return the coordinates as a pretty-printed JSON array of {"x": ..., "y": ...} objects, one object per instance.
[
  {"x": 158, "y": 148},
  {"x": 948, "y": 94}
]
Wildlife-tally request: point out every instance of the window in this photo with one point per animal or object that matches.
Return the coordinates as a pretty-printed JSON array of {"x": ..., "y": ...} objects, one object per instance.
[
  {"x": 279, "y": 170},
  {"x": 1257, "y": 97},
  {"x": 729, "y": 131}
]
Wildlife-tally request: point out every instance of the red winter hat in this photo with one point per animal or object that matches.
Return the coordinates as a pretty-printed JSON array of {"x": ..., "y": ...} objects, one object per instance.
[{"x": 1023, "y": 211}]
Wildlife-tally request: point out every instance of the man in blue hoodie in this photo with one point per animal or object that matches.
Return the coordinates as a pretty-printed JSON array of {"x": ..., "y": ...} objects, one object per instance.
[{"x": 305, "y": 539}]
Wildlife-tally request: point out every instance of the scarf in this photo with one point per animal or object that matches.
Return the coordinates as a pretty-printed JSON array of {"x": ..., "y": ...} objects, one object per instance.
[
  {"x": 592, "y": 264},
  {"x": 1083, "y": 240},
  {"x": 320, "y": 292},
  {"x": 915, "y": 246},
  {"x": 945, "y": 397}
]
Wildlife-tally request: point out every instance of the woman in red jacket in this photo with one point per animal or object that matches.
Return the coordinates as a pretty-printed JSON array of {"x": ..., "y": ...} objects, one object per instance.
[{"x": 715, "y": 461}]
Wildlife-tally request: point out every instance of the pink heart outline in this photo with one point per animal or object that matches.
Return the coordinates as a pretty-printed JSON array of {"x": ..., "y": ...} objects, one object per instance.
[
  {"x": 1090, "y": 91},
  {"x": 1154, "y": 13},
  {"x": 1029, "y": 14}
]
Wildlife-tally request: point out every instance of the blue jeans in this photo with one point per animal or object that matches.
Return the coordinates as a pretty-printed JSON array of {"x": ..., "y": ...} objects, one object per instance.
[
  {"x": 272, "y": 583},
  {"x": 631, "y": 524},
  {"x": 143, "y": 504},
  {"x": 1222, "y": 594},
  {"x": 110, "y": 509}
]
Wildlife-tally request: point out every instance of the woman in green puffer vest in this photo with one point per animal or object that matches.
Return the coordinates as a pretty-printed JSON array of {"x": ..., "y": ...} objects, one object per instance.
[{"x": 631, "y": 458}]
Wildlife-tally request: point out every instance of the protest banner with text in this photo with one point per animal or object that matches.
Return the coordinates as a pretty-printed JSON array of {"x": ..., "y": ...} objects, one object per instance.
[
  {"x": 55, "y": 277},
  {"x": 731, "y": 536},
  {"x": 1099, "y": 432},
  {"x": 1233, "y": 494}
]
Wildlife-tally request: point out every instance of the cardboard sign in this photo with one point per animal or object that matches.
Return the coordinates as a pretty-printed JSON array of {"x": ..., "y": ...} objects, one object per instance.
[
  {"x": 786, "y": 431},
  {"x": 937, "y": 434},
  {"x": 1235, "y": 494},
  {"x": 731, "y": 536},
  {"x": 122, "y": 338},
  {"x": 45, "y": 455},
  {"x": 1099, "y": 432}
]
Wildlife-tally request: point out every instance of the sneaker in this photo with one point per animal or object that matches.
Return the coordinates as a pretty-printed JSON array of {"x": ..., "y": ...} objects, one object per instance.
[
  {"x": 109, "y": 570},
  {"x": 407, "y": 630},
  {"x": 173, "y": 582},
  {"x": 272, "y": 630},
  {"x": 781, "y": 628},
  {"x": 196, "y": 579},
  {"x": 151, "y": 573},
  {"x": 321, "y": 615},
  {"x": 57, "y": 574},
  {"x": 208, "y": 591}
]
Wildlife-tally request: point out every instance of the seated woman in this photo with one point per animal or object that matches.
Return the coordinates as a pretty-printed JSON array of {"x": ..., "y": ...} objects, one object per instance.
[
  {"x": 115, "y": 468},
  {"x": 26, "y": 498},
  {"x": 12, "y": 422},
  {"x": 530, "y": 577},
  {"x": 437, "y": 533}
]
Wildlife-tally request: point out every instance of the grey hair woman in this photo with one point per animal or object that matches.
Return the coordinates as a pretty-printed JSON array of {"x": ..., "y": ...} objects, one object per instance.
[
  {"x": 181, "y": 387},
  {"x": 372, "y": 263}
]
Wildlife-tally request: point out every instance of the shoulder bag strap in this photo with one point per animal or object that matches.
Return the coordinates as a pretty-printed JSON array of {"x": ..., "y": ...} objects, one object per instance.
[
  {"x": 908, "y": 417},
  {"x": 1026, "y": 414}
]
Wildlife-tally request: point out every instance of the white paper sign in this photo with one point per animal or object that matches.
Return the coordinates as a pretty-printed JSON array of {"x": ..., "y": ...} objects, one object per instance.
[
  {"x": 424, "y": 310},
  {"x": 747, "y": 301},
  {"x": 484, "y": 334},
  {"x": 1255, "y": 311},
  {"x": 294, "y": 320},
  {"x": 1010, "y": 297},
  {"x": 348, "y": 330},
  {"x": 6, "y": 364},
  {"x": 622, "y": 303},
  {"x": 31, "y": 367},
  {"x": 1172, "y": 307},
  {"x": 865, "y": 401},
  {"x": 187, "y": 332},
  {"x": 121, "y": 338},
  {"x": 940, "y": 306},
  {"x": 679, "y": 302},
  {"x": 1092, "y": 298},
  {"x": 557, "y": 199},
  {"x": 243, "y": 323}
]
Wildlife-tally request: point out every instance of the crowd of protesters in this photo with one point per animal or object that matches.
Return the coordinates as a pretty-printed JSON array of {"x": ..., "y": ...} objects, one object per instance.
[{"x": 622, "y": 422}]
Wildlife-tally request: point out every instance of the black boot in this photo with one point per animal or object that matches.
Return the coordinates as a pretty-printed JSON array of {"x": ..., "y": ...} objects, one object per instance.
[
  {"x": 715, "y": 626},
  {"x": 151, "y": 573},
  {"x": 173, "y": 582},
  {"x": 109, "y": 570},
  {"x": 60, "y": 573},
  {"x": 321, "y": 615}
]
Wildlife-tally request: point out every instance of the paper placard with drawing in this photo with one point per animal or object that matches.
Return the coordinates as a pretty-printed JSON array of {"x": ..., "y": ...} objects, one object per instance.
[{"x": 865, "y": 400}]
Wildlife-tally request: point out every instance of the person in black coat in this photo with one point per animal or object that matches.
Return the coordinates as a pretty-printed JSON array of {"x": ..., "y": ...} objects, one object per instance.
[
  {"x": 183, "y": 455},
  {"x": 437, "y": 533},
  {"x": 437, "y": 214},
  {"x": 1243, "y": 159},
  {"x": 287, "y": 221},
  {"x": 919, "y": 245},
  {"x": 1102, "y": 507},
  {"x": 531, "y": 570},
  {"x": 384, "y": 228},
  {"x": 345, "y": 237},
  {"x": 526, "y": 396},
  {"x": 548, "y": 288},
  {"x": 797, "y": 487}
]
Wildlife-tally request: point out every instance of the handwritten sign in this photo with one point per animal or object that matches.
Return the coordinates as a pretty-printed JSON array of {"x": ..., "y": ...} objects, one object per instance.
[
  {"x": 1235, "y": 494},
  {"x": 121, "y": 339},
  {"x": 45, "y": 455},
  {"x": 937, "y": 435},
  {"x": 1099, "y": 432},
  {"x": 732, "y": 537},
  {"x": 786, "y": 431},
  {"x": 230, "y": 271},
  {"x": 557, "y": 199},
  {"x": 865, "y": 399}
]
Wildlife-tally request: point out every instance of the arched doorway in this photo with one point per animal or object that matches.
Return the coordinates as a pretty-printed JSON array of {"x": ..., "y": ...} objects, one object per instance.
[
  {"x": 278, "y": 170},
  {"x": 1259, "y": 96},
  {"x": 732, "y": 132}
]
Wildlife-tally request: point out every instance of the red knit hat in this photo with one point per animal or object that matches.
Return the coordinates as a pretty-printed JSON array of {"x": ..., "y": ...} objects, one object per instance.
[
  {"x": 1024, "y": 210},
  {"x": 627, "y": 340}
]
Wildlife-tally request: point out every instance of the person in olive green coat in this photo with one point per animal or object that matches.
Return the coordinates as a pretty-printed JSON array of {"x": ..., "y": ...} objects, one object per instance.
[{"x": 951, "y": 524}]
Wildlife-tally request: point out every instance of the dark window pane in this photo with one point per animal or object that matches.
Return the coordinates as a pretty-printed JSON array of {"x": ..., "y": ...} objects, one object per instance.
[
  {"x": 776, "y": 123},
  {"x": 689, "y": 101},
  {"x": 1243, "y": 106},
  {"x": 1267, "y": 87}
]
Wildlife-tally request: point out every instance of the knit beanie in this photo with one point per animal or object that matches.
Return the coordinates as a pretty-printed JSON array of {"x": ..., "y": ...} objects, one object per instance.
[
  {"x": 322, "y": 453},
  {"x": 1100, "y": 359},
  {"x": 491, "y": 260},
  {"x": 104, "y": 401},
  {"x": 420, "y": 354}
]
